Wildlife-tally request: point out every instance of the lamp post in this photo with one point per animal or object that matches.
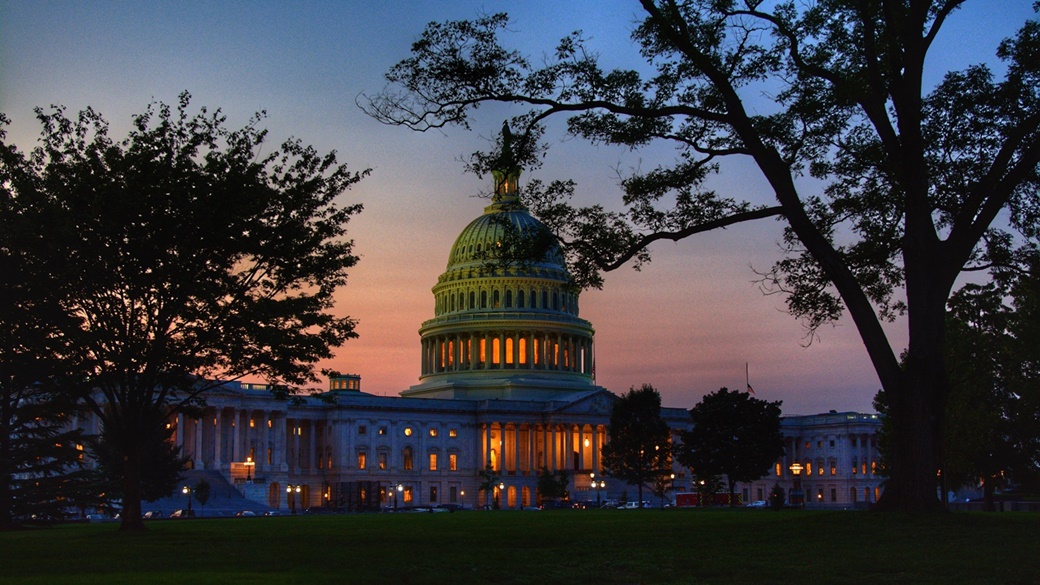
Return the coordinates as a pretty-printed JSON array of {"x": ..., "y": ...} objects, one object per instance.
[
  {"x": 797, "y": 498},
  {"x": 501, "y": 486},
  {"x": 598, "y": 486},
  {"x": 249, "y": 468},
  {"x": 187, "y": 494},
  {"x": 462, "y": 498},
  {"x": 293, "y": 491},
  {"x": 397, "y": 496}
]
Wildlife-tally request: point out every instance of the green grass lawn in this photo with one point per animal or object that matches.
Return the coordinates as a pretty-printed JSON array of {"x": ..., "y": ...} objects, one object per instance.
[{"x": 632, "y": 546}]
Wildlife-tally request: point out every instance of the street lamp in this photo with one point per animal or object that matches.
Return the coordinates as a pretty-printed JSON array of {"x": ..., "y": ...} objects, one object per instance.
[
  {"x": 462, "y": 497},
  {"x": 187, "y": 494},
  {"x": 597, "y": 485},
  {"x": 501, "y": 486},
  {"x": 797, "y": 498},
  {"x": 294, "y": 492},
  {"x": 400, "y": 490},
  {"x": 249, "y": 468}
]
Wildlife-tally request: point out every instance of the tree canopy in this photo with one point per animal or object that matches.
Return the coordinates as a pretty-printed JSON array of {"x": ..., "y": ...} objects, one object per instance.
[
  {"x": 190, "y": 253},
  {"x": 734, "y": 434},
  {"x": 889, "y": 190},
  {"x": 993, "y": 415},
  {"x": 639, "y": 445}
]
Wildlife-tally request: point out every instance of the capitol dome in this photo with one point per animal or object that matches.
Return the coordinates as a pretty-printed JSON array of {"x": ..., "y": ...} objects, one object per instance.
[{"x": 505, "y": 319}]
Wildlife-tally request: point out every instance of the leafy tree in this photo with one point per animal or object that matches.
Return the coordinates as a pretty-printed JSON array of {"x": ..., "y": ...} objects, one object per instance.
[
  {"x": 639, "y": 446},
  {"x": 202, "y": 491},
  {"x": 161, "y": 462},
  {"x": 552, "y": 486},
  {"x": 39, "y": 459},
  {"x": 776, "y": 497},
  {"x": 994, "y": 409},
  {"x": 488, "y": 482},
  {"x": 734, "y": 434},
  {"x": 911, "y": 178},
  {"x": 191, "y": 252}
]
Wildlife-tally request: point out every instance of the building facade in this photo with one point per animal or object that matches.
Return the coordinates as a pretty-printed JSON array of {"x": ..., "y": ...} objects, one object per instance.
[{"x": 507, "y": 382}]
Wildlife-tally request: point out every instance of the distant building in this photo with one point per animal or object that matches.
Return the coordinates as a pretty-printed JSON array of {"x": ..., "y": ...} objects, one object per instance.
[
  {"x": 507, "y": 380},
  {"x": 839, "y": 461}
]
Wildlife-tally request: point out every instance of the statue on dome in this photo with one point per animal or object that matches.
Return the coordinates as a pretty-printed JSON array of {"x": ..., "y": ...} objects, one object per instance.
[{"x": 505, "y": 168}]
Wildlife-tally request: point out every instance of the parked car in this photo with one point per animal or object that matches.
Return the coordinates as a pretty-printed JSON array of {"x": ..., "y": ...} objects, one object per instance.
[
  {"x": 245, "y": 514},
  {"x": 272, "y": 513},
  {"x": 183, "y": 514},
  {"x": 758, "y": 504},
  {"x": 152, "y": 514}
]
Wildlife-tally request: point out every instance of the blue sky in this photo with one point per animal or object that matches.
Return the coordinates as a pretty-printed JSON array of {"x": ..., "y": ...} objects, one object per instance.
[{"x": 687, "y": 323}]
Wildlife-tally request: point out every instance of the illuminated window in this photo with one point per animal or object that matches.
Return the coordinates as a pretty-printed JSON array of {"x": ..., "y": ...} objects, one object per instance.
[
  {"x": 433, "y": 432},
  {"x": 863, "y": 467},
  {"x": 382, "y": 461},
  {"x": 407, "y": 455},
  {"x": 362, "y": 460},
  {"x": 819, "y": 444},
  {"x": 873, "y": 468},
  {"x": 269, "y": 423},
  {"x": 808, "y": 445},
  {"x": 433, "y": 462},
  {"x": 453, "y": 462},
  {"x": 834, "y": 468},
  {"x": 270, "y": 455},
  {"x": 382, "y": 430},
  {"x": 408, "y": 431},
  {"x": 808, "y": 468},
  {"x": 778, "y": 470},
  {"x": 453, "y": 433},
  {"x": 252, "y": 424},
  {"x": 362, "y": 429},
  {"x": 408, "y": 494}
]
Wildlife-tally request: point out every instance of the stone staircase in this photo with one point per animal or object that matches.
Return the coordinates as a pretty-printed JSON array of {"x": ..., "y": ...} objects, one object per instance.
[{"x": 225, "y": 499}]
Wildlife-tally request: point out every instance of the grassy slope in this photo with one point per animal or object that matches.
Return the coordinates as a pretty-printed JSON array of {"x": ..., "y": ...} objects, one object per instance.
[{"x": 648, "y": 546}]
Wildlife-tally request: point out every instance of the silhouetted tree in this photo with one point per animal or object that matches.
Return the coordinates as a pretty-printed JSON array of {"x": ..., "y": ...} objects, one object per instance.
[
  {"x": 639, "y": 447},
  {"x": 734, "y": 434},
  {"x": 552, "y": 486},
  {"x": 912, "y": 178},
  {"x": 191, "y": 252}
]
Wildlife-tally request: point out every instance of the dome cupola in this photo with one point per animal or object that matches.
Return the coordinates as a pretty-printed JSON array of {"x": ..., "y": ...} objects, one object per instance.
[{"x": 506, "y": 319}]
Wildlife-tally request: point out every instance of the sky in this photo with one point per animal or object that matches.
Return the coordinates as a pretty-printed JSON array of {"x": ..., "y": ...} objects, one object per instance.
[{"x": 690, "y": 322}]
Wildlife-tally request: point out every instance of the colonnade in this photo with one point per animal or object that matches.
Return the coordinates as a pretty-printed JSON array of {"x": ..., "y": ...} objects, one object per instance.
[
  {"x": 455, "y": 352},
  {"x": 225, "y": 438},
  {"x": 522, "y": 448}
]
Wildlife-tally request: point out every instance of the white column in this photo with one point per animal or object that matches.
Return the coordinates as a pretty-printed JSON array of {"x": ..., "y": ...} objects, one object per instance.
[{"x": 217, "y": 431}]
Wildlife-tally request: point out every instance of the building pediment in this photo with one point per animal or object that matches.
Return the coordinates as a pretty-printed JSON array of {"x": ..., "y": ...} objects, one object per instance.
[{"x": 594, "y": 403}]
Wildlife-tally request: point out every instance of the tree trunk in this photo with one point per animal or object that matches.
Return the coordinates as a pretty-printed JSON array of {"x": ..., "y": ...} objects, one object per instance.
[
  {"x": 131, "y": 514},
  {"x": 916, "y": 410},
  {"x": 988, "y": 503}
]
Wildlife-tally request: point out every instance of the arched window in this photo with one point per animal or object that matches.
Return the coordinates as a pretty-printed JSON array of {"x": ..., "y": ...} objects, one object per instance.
[
  {"x": 407, "y": 456},
  {"x": 509, "y": 299},
  {"x": 556, "y": 301},
  {"x": 472, "y": 300},
  {"x": 534, "y": 300},
  {"x": 520, "y": 299},
  {"x": 545, "y": 299},
  {"x": 483, "y": 299},
  {"x": 496, "y": 298}
]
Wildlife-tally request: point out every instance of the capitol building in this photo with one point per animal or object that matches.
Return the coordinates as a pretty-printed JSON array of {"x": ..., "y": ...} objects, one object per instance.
[{"x": 507, "y": 381}]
